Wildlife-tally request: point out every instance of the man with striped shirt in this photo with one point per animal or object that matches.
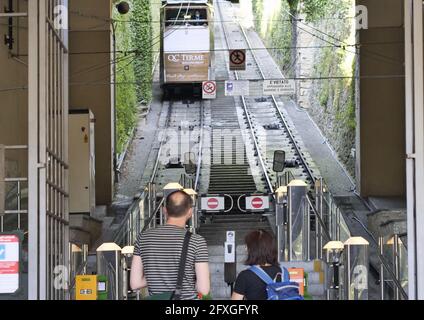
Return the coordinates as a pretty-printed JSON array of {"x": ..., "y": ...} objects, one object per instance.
[{"x": 157, "y": 254}]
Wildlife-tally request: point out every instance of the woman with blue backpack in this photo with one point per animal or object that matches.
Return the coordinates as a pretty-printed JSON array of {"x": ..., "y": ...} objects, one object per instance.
[{"x": 264, "y": 279}]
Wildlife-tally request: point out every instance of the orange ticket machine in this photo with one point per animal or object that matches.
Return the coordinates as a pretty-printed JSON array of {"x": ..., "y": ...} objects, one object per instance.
[{"x": 298, "y": 275}]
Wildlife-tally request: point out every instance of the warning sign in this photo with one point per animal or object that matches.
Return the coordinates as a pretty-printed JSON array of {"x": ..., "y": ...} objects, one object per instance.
[
  {"x": 9, "y": 263},
  {"x": 212, "y": 203},
  {"x": 209, "y": 89},
  {"x": 257, "y": 203},
  {"x": 237, "y": 88},
  {"x": 281, "y": 87},
  {"x": 238, "y": 59}
]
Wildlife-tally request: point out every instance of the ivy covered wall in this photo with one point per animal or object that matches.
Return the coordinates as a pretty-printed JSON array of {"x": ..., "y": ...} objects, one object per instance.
[
  {"x": 136, "y": 42},
  {"x": 275, "y": 28},
  {"x": 312, "y": 38},
  {"x": 332, "y": 101}
]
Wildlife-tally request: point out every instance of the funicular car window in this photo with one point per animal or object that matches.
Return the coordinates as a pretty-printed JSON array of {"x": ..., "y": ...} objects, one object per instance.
[{"x": 190, "y": 16}]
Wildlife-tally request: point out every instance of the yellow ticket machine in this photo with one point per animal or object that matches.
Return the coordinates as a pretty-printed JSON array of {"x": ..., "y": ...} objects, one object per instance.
[{"x": 86, "y": 287}]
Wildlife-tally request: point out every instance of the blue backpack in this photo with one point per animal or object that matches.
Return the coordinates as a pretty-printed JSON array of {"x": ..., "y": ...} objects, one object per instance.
[{"x": 285, "y": 290}]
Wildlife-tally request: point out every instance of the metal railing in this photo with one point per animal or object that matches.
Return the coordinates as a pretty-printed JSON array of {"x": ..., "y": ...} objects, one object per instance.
[
  {"x": 139, "y": 217},
  {"x": 396, "y": 267},
  {"x": 145, "y": 212},
  {"x": 332, "y": 222}
]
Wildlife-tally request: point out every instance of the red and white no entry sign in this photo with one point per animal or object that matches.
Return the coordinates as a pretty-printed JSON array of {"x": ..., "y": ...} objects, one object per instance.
[
  {"x": 209, "y": 89},
  {"x": 212, "y": 203},
  {"x": 257, "y": 203}
]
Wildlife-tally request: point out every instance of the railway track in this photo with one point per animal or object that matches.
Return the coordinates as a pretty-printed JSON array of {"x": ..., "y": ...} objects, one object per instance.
[
  {"x": 269, "y": 127},
  {"x": 181, "y": 133},
  {"x": 229, "y": 172}
]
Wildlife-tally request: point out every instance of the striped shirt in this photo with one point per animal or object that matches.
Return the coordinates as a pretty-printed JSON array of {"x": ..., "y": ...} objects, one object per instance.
[{"x": 160, "y": 251}]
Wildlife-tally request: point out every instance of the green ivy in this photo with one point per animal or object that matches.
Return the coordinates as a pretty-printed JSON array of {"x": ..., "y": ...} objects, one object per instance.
[
  {"x": 136, "y": 39},
  {"x": 277, "y": 35},
  {"x": 336, "y": 97}
]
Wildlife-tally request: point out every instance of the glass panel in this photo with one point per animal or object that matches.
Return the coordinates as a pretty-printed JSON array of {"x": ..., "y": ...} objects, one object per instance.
[
  {"x": 183, "y": 15},
  {"x": 297, "y": 234},
  {"x": 344, "y": 230},
  {"x": 403, "y": 258}
]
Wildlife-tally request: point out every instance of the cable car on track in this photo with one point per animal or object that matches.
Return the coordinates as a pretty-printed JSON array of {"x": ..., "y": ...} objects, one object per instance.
[{"x": 187, "y": 47}]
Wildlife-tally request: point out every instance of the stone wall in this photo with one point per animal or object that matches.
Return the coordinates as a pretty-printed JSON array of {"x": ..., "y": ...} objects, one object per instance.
[{"x": 325, "y": 56}]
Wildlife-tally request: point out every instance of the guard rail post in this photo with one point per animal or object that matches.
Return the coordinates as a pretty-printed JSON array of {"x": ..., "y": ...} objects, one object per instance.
[
  {"x": 296, "y": 196},
  {"x": 281, "y": 221},
  {"x": 109, "y": 265},
  {"x": 126, "y": 255},
  {"x": 356, "y": 262},
  {"x": 334, "y": 250},
  {"x": 318, "y": 228},
  {"x": 194, "y": 219},
  {"x": 382, "y": 281}
]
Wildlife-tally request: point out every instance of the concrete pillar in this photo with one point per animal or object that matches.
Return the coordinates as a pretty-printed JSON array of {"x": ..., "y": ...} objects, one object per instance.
[
  {"x": 380, "y": 146},
  {"x": 90, "y": 82}
]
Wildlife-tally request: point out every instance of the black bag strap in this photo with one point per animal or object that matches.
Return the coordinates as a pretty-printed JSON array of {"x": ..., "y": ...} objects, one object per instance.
[{"x": 181, "y": 270}]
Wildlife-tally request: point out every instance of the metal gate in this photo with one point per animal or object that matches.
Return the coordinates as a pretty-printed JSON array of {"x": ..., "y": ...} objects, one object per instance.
[{"x": 48, "y": 156}]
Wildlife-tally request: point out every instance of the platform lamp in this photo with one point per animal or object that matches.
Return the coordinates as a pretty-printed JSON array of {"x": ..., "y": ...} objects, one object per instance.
[{"x": 123, "y": 8}]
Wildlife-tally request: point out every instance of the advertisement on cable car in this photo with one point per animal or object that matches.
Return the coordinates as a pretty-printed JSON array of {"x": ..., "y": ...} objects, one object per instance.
[{"x": 186, "y": 67}]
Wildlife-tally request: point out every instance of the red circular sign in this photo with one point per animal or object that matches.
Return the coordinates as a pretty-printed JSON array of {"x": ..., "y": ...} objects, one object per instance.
[
  {"x": 209, "y": 87},
  {"x": 257, "y": 203},
  {"x": 237, "y": 57},
  {"x": 213, "y": 203}
]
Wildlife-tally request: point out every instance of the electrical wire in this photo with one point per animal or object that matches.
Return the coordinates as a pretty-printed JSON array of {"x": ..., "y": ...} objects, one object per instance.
[
  {"x": 152, "y": 45},
  {"x": 213, "y": 50},
  {"x": 343, "y": 45},
  {"x": 257, "y": 80},
  {"x": 104, "y": 65}
]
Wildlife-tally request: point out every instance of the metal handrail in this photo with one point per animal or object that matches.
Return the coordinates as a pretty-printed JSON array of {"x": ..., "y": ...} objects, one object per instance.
[
  {"x": 149, "y": 220},
  {"x": 384, "y": 262},
  {"x": 319, "y": 219},
  {"x": 122, "y": 232},
  {"x": 168, "y": 118}
]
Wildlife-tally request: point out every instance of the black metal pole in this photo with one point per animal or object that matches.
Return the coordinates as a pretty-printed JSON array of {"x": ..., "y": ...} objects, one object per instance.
[
  {"x": 8, "y": 39},
  {"x": 115, "y": 153}
]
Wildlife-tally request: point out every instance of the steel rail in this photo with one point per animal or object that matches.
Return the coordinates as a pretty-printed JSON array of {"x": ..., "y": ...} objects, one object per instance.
[
  {"x": 200, "y": 153},
  {"x": 264, "y": 169},
  {"x": 304, "y": 164},
  {"x": 286, "y": 126},
  {"x": 168, "y": 119}
]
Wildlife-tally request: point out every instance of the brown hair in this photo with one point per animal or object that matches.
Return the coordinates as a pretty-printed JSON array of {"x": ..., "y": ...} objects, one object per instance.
[
  {"x": 178, "y": 203},
  {"x": 261, "y": 248}
]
